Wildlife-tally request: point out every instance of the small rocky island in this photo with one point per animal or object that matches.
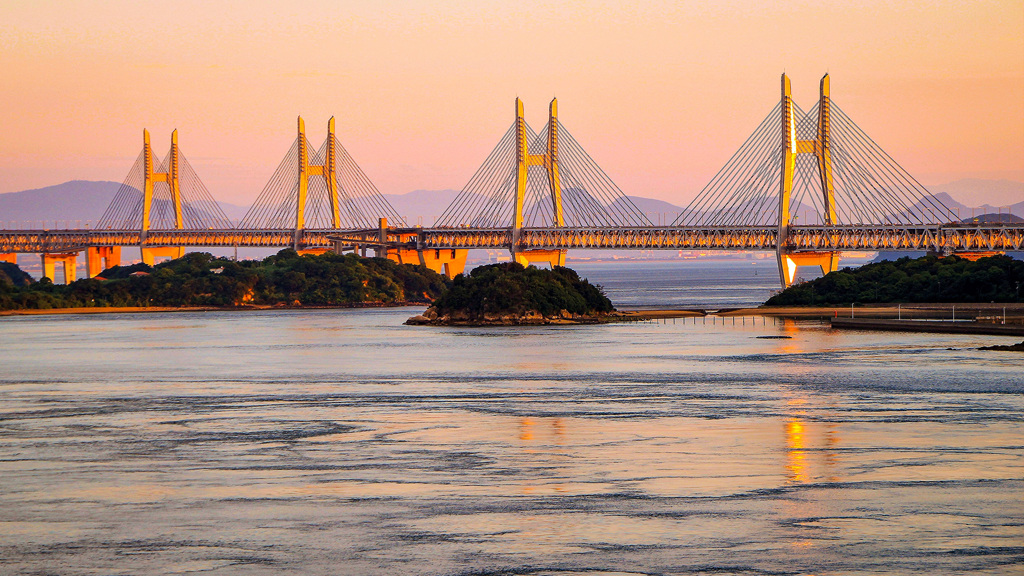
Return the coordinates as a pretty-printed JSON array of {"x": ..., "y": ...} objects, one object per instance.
[{"x": 510, "y": 294}]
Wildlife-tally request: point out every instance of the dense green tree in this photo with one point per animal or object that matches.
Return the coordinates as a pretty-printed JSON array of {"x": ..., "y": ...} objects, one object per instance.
[
  {"x": 510, "y": 288},
  {"x": 927, "y": 279},
  {"x": 200, "y": 279}
]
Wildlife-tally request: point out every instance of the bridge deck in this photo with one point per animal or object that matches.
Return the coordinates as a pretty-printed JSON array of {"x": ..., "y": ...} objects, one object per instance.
[{"x": 939, "y": 238}]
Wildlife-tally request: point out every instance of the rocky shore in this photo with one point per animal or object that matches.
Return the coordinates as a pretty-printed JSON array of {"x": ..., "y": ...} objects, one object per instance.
[
  {"x": 1010, "y": 348},
  {"x": 431, "y": 317}
]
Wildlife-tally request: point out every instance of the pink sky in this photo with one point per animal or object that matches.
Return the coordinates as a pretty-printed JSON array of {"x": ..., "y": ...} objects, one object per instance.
[{"x": 659, "y": 93}]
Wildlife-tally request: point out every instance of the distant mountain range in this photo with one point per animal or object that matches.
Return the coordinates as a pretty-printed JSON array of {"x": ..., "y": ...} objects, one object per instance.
[
  {"x": 73, "y": 204},
  {"x": 995, "y": 192}
]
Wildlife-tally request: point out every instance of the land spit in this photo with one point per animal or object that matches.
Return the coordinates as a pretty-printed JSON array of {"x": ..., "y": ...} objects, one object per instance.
[
  {"x": 937, "y": 326},
  {"x": 431, "y": 317},
  {"x": 155, "y": 309},
  {"x": 992, "y": 312}
]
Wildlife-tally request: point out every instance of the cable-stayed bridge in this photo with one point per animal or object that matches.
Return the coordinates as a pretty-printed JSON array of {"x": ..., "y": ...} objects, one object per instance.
[{"x": 805, "y": 184}]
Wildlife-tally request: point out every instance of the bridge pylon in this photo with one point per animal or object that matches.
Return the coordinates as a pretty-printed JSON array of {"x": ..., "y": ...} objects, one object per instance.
[
  {"x": 150, "y": 178},
  {"x": 157, "y": 197},
  {"x": 549, "y": 161},
  {"x": 315, "y": 189},
  {"x": 812, "y": 180},
  {"x": 326, "y": 171},
  {"x": 820, "y": 147},
  {"x": 539, "y": 181}
]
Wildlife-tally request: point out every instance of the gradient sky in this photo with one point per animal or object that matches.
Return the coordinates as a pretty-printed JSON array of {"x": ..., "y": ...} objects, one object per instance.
[{"x": 659, "y": 93}]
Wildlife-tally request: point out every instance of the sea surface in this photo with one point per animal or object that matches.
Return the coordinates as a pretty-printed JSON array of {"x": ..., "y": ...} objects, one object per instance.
[{"x": 343, "y": 442}]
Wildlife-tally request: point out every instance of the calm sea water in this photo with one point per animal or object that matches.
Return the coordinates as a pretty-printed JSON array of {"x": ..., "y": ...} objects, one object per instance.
[
  {"x": 342, "y": 442},
  {"x": 685, "y": 284}
]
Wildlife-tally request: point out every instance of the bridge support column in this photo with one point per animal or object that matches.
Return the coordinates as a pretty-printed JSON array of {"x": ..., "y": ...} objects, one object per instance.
[
  {"x": 449, "y": 262},
  {"x": 99, "y": 258},
  {"x": 68, "y": 259},
  {"x": 552, "y": 257},
  {"x": 11, "y": 258},
  {"x": 151, "y": 253},
  {"x": 788, "y": 263},
  {"x": 973, "y": 256}
]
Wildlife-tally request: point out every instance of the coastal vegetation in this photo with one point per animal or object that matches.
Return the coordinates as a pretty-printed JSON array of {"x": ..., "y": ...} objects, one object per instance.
[
  {"x": 202, "y": 280},
  {"x": 509, "y": 293},
  {"x": 927, "y": 279}
]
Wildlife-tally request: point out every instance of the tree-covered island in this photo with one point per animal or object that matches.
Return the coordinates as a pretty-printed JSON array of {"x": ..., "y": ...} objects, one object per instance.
[
  {"x": 928, "y": 279},
  {"x": 510, "y": 294},
  {"x": 201, "y": 280}
]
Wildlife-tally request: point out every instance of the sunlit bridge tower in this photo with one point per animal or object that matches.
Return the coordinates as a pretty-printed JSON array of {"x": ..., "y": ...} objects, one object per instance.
[
  {"x": 813, "y": 180},
  {"x": 542, "y": 181},
  {"x": 318, "y": 189},
  {"x": 156, "y": 198},
  {"x": 325, "y": 171},
  {"x": 792, "y": 146},
  {"x": 548, "y": 160}
]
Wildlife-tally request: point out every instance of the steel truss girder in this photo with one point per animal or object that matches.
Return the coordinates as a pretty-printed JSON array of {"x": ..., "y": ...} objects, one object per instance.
[
  {"x": 947, "y": 239},
  {"x": 40, "y": 241},
  {"x": 936, "y": 238}
]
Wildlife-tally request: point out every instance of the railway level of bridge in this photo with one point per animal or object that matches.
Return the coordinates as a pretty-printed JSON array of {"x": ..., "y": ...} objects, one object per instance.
[{"x": 539, "y": 195}]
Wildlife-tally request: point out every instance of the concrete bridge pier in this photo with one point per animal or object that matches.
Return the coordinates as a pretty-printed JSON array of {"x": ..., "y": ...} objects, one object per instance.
[
  {"x": 789, "y": 262},
  {"x": 68, "y": 259},
  {"x": 11, "y": 258},
  {"x": 450, "y": 262},
  {"x": 99, "y": 258},
  {"x": 552, "y": 257},
  {"x": 151, "y": 253}
]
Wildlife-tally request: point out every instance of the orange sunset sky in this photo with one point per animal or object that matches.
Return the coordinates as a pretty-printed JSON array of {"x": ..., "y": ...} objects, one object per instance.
[{"x": 659, "y": 93}]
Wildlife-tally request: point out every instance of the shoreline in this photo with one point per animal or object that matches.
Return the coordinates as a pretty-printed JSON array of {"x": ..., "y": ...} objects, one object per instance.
[
  {"x": 537, "y": 320},
  {"x": 166, "y": 309},
  {"x": 928, "y": 310},
  {"x": 930, "y": 326}
]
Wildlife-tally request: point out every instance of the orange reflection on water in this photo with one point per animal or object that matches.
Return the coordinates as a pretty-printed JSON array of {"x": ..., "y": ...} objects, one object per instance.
[
  {"x": 547, "y": 447},
  {"x": 526, "y": 429},
  {"x": 796, "y": 456},
  {"x": 798, "y": 450}
]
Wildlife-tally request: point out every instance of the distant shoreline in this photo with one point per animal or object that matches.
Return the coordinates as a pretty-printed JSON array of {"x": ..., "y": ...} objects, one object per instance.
[
  {"x": 908, "y": 311},
  {"x": 158, "y": 309}
]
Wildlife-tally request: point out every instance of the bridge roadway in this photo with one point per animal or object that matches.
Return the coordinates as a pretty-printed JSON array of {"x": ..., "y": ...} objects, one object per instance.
[
  {"x": 935, "y": 238},
  {"x": 947, "y": 238}
]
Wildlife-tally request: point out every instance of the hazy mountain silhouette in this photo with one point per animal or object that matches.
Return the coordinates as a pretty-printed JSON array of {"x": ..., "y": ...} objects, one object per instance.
[
  {"x": 657, "y": 211},
  {"x": 425, "y": 204},
  {"x": 992, "y": 192},
  {"x": 965, "y": 212},
  {"x": 71, "y": 204},
  {"x": 77, "y": 202}
]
